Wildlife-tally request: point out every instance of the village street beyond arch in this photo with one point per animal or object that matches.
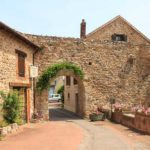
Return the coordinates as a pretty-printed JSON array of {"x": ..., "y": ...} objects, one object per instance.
[{"x": 42, "y": 97}]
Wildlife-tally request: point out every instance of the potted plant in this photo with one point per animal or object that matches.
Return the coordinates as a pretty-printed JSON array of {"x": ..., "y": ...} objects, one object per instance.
[
  {"x": 117, "y": 107},
  {"x": 148, "y": 111},
  {"x": 97, "y": 116},
  {"x": 141, "y": 110}
]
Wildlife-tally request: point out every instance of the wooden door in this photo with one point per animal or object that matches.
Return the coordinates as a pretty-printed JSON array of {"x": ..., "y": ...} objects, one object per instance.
[
  {"x": 22, "y": 92},
  {"x": 77, "y": 102}
]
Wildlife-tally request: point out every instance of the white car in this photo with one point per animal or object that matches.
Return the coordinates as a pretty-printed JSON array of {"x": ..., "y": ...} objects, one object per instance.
[{"x": 54, "y": 97}]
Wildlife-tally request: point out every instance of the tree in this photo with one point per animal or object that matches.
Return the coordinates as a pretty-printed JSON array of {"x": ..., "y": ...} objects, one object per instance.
[{"x": 61, "y": 92}]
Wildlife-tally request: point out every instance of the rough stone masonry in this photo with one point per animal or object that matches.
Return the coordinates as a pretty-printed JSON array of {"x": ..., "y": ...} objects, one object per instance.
[
  {"x": 111, "y": 69},
  {"x": 118, "y": 69}
]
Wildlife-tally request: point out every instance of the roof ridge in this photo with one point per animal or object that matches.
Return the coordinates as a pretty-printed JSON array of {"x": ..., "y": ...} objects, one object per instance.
[
  {"x": 112, "y": 20},
  {"x": 19, "y": 35}
]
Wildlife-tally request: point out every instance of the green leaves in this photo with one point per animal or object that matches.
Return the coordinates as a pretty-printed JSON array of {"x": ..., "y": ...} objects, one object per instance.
[
  {"x": 51, "y": 72},
  {"x": 11, "y": 106},
  {"x": 61, "y": 90}
]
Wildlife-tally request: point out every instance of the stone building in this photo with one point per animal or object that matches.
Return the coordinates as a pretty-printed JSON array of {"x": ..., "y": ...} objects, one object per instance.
[
  {"x": 115, "y": 61},
  {"x": 16, "y": 56},
  {"x": 55, "y": 85},
  {"x": 118, "y": 29},
  {"x": 71, "y": 96},
  {"x": 111, "y": 60}
]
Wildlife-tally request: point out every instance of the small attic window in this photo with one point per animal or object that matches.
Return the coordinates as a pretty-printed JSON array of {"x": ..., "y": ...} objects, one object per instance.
[{"x": 119, "y": 37}]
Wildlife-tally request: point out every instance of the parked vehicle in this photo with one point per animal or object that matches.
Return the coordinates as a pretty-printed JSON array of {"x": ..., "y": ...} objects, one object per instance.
[{"x": 54, "y": 97}]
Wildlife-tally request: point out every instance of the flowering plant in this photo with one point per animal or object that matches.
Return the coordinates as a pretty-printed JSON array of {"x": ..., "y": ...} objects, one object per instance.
[
  {"x": 117, "y": 106},
  {"x": 141, "y": 109},
  {"x": 99, "y": 110},
  {"x": 147, "y": 111},
  {"x": 136, "y": 108}
]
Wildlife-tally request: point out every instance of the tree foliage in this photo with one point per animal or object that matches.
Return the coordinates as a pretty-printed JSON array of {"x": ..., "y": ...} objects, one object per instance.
[{"x": 61, "y": 92}]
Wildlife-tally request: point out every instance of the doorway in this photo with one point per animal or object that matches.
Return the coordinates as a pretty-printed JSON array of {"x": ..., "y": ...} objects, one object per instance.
[
  {"x": 22, "y": 93},
  {"x": 77, "y": 102}
]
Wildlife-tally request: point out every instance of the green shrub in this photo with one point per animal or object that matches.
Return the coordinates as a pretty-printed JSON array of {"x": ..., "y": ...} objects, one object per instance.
[
  {"x": 19, "y": 121},
  {"x": 3, "y": 123},
  {"x": 11, "y": 107},
  {"x": 61, "y": 90}
]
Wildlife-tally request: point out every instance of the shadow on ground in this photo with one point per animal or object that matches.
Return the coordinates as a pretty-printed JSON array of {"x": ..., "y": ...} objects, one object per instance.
[{"x": 59, "y": 114}]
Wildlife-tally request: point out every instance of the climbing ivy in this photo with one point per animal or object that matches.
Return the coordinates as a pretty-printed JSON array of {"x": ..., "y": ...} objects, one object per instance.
[{"x": 51, "y": 72}]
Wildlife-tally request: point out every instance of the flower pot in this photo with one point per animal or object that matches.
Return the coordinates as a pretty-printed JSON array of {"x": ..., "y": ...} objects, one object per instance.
[{"x": 97, "y": 117}]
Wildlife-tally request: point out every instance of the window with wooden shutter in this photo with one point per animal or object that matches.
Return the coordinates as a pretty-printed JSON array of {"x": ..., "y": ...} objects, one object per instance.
[
  {"x": 68, "y": 80},
  {"x": 119, "y": 37},
  {"x": 75, "y": 81},
  {"x": 21, "y": 63}
]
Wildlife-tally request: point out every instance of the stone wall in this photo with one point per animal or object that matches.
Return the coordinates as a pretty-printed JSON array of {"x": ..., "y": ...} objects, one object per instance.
[
  {"x": 111, "y": 68},
  {"x": 8, "y": 62},
  {"x": 118, "y": 26},
  {"x": 138, "y": 121}
]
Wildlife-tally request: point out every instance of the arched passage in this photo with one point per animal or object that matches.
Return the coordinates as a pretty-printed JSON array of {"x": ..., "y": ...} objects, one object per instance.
[{"x": 48, "y": 76}]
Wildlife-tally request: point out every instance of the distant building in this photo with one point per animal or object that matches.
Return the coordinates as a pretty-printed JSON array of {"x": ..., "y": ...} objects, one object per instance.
[
  {"x": 71, "y": 99},
  {"x": 54, "y": 87}
]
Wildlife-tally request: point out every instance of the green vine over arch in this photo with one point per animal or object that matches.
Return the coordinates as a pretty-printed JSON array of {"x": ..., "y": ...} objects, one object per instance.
[{"x": 51, "y": 72}]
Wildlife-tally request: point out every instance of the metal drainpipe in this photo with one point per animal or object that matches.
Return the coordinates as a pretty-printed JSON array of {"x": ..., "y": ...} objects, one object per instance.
[{"x": 34, "y": 82}]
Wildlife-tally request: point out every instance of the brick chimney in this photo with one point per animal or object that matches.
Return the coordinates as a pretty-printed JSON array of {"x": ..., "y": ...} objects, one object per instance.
[{"x": 83, "y": 29}]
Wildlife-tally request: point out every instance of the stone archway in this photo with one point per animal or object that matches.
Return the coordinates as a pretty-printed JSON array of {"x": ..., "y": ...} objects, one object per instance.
[
  {"x": 41, "y": 104},
  {"x": 102, "y": 63}
]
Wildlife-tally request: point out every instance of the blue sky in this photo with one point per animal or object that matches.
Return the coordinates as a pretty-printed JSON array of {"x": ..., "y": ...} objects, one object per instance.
[{"x": 63, "y": 17}]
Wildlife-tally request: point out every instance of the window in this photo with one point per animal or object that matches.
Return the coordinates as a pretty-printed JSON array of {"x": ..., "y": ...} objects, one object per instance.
[
  {"x": 68, "y": 96},
  {"x": 21, "y": 63},
  {"x": 68, "y": 80},
  {"x": 75, "y": 81},
  {"x": 119, "y": 37}
]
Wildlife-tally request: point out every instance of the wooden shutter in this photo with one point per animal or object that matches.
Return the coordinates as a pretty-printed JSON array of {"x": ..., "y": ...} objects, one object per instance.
[
  {"x": 113, "y": 37},
  {"x": 21, "y": 65},
  {"x": 75, "y": 81},
  {"x": 68, "y": 82},
  {"x": 125, "y": 38},
  {"x": 21, "y": 62}
]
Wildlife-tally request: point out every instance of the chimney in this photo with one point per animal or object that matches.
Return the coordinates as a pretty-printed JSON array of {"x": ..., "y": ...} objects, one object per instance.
[{"x": 83, "y": 29}]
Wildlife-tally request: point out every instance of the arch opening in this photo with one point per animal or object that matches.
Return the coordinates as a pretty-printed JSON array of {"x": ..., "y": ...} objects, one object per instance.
[{"x": 74, "y": 92}]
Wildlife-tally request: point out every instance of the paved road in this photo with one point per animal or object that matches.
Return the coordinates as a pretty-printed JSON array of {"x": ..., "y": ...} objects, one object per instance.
[
  {"x": 66, "y": 131},
  {"x": 52, "y": 135},
  {"x": 98, "y": 137}
]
